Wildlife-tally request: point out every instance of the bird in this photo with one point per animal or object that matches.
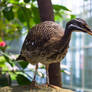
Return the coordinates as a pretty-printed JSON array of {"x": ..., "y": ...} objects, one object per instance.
[{"x": 47, "y": 42}]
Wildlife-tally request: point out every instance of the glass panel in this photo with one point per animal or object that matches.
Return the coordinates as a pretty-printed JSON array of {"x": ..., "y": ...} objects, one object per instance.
[{"x": 88, "y": 67}]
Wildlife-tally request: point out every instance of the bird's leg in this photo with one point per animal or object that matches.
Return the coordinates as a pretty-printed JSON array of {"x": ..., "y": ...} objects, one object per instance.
[
  {"x": 34, "y": 79},
  {"x": 47, "y": 75}
]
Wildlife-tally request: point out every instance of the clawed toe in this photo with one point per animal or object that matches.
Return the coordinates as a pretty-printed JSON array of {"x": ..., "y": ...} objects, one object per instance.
[
  {"x": 34, "y": 84},
  {"x": 53, "y": 86}
]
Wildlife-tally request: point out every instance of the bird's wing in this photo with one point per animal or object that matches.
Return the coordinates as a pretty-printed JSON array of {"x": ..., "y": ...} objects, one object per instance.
[{"x": 42, "y": 35}]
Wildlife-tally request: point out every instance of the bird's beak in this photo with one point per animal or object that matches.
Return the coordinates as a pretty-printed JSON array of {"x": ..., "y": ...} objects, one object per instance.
[{"x": 88, "y": 30}]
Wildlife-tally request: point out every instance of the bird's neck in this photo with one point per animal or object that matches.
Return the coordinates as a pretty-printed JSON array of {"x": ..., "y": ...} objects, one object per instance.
[
  {"x": 67, "y": 35},
  {"x": 66, "y": 38}
]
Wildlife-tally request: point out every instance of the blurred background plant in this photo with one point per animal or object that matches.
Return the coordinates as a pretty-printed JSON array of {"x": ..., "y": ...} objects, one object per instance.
[
  {"x": 3, "y": 46},
  {"x": 16, "y": 19}
]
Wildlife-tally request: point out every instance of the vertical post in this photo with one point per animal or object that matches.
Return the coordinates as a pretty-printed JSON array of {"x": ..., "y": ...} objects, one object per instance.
[{"x": 46, "y": 13}]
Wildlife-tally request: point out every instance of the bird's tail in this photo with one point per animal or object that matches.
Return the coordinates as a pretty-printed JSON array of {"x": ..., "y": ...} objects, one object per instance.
[{"x": 20, "y": 57}]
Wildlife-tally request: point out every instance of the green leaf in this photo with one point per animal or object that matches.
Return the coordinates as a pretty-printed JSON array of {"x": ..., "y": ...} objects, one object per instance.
[
  {"x": 22, "y": 80},
  {"x": 1, "y": 39},
  {"x": 7, "y": 59},
  {"x": 58, "y": 18},
  {"x": 42, "y": 67},
  {"x": 58, "y": 15},
  {"x": 23, "y": 64},
  {"x": 21, "y": 15},
  {"x": 73, "y": 16},
  {"x": 62, "y": 71},
  {"x": 34, "y": 0},
  {"x": 36, "y": 15},
  {"x": 2, "y": 61},
  {"x": 24, "y": 14},
  {"x": 13, "y": 1},
  {"x": 60, "y": 7},
  {"x": 8, "y": 13},
  {"x": 26, "y": 1}
]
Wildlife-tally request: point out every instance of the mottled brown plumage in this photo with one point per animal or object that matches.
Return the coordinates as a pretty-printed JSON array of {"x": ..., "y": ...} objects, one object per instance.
[
  {"x": 42, "y": 43},
  {"x": 48, "y": 43}
]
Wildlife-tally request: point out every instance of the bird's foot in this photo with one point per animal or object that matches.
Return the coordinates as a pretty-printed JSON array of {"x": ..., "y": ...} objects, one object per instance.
[
  {"x": 34, "y": 84},
  {"x": 52, "y": 86}
]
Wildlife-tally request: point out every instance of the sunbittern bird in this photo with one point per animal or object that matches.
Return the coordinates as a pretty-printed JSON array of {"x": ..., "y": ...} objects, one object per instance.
[{"x": 48, "y": 43}]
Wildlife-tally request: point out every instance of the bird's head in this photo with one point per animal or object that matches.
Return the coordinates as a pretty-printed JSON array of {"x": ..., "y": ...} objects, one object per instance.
[{"x": 78, "y": 25}]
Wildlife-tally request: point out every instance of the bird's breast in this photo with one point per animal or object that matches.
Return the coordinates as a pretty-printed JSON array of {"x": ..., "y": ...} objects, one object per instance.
[{"x": 45, "y": 56}]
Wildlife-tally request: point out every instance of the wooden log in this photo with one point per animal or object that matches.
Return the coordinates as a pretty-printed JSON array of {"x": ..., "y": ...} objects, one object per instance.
[{"x": 28, "y": 89}]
